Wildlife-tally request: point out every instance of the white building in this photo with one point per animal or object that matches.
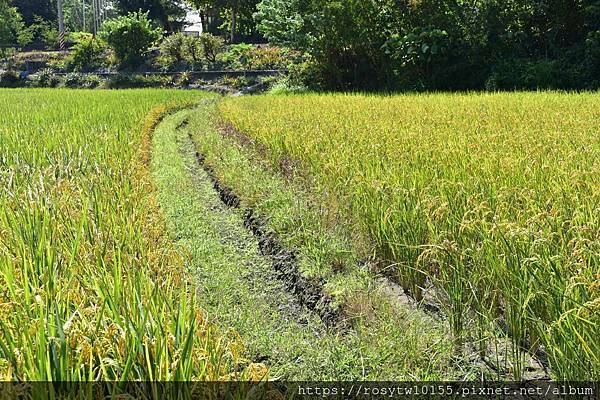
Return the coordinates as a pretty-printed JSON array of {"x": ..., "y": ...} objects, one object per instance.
[{"x": 193, "y": 23}]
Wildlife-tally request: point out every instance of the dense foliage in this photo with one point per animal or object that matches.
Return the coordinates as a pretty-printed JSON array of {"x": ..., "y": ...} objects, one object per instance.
[
  {"x": 168, "y": 13},
  {"x": 130, "y": 36},
  {"x": 12, "y": 28},
  {"x": 88, "y": 54},
  {"x": 441, "y": 45}
]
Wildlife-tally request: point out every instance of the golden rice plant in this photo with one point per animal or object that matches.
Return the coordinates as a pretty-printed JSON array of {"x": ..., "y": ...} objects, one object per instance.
[
  {"x": 90, "y": 286},
  {"x": 495, "y": 198}
]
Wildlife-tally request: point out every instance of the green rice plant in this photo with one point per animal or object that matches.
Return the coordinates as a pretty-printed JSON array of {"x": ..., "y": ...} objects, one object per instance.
[
  {"x": 91, "y": 288},
  {"x": 493, "y": 198}
]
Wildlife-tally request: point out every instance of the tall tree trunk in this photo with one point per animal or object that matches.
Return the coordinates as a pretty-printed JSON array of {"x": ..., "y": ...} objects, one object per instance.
[
  {"x": 204, "y": 21},
  {"x": 234, "y": 11}
]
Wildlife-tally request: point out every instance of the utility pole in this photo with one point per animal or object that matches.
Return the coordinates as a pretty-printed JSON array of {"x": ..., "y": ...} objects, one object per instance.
[
  {"x": 95, "y": 17},
  {"x": 61, "y": 25}
]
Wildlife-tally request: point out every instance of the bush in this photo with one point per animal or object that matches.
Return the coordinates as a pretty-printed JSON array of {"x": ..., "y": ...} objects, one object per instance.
[
  {"x": 125, "y": 81},
  {"x": 211, "y": 46},
  {"x": 527, "y": 74},
  {"x": 44, "y": 32},
  {"x": 237, "y": 56},
  {"x": 73, "y": 80},
  {"x": 238, "y": 82},
  {"x": 185, "y": 79},
  {"x": 285, "y": 87},
  {"x": 88, "y": 54},
  {"x": 130, "y": 36},
  {"x": 592, "y": 52},
  {"x": 11, "y": 79},
  {"x": 46, "y": 78},
  {"x": 172, "y": 50},
  {"x": 247, "y": 56},
  {"x": 306, "y": 74},
  {"x": 420, "y": 58},
  {"x": 180, "y": 51},
  {"x": 269, "y": 58},
  {"x": 91, "y": 81}
]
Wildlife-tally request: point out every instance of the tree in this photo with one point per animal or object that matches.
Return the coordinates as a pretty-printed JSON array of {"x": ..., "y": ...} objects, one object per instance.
[
  {"x": 12, "y": 28},
  {"x": 237, "y": 15},
  {"x": 130, "y": 36},
  {"x": 281, "y": 23},
  {"x": 439, "y": 44},
  {"x": 30, "y": 9},
  {"x": 168, "y": 13}
]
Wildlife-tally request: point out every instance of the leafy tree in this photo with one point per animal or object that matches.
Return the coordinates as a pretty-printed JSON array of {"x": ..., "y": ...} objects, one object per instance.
[
  {"x": 168, "y": 13},
  {"x": 211, "y": 46},
  {"x": 12, "y": 28},
  {"x": 237, "y": 15},
  {"x": 87, "y": 55},
  {"x": 439, "y": 44},
  {"x": 281, "y": 23},
  {"x": 130, "y": 36},
  {"x": 30, "y": 9}
]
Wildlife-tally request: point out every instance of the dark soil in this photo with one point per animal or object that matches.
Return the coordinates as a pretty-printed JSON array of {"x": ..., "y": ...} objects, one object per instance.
[{"x": 309, "y": 292}]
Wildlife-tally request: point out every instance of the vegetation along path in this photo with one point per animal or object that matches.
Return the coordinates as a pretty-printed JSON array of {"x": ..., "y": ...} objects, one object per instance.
[{"x": 243, "y": 287}]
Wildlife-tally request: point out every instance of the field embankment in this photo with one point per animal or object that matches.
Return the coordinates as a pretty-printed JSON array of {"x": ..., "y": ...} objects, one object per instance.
[
  {"x": 91, "y": 288},
  {"x": 488, "y": 203}
]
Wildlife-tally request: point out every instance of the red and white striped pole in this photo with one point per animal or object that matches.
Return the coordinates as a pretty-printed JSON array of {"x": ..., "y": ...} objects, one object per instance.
[{"x": 61, "y": 25}]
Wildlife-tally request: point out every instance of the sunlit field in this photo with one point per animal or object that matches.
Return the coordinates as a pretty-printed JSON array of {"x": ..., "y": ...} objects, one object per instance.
[
  {"x": 490, "y": 201},
  {"x": 90, "y": 286}
]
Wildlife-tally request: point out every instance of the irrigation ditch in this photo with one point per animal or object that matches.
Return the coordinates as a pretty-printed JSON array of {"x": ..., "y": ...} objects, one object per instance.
[
  {"x": 535, "y": 363},
  {"x": 340, "y": 334},
  {"x": 310, "y": 293}
]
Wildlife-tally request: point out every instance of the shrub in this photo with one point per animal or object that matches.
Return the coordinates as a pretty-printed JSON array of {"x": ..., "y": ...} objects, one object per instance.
[
  {"x": 126, "y": 81},
  {"x": 420, "y": 57},
  {"x": 87, "y": 55},
  {"x": 269, "y": 58},
  {"x": 10, "y": 79},
  {"x": 211, "y": 46},
  {"x": 237, "y": 56},
  {"x": 285, "y": 87},
  {"x": 46, "y": 78},
  {"x": 172, "y": 49},
  {"x": 592, "y": 52},
  {"x": 526, "y": 74},
  {"x": 193, "y": 51},
  {"x": 44, "y": 32},
  {"x": 180, "y": 51},
  {"x": 91, "y": 81},
  {"x": 185, "y": 79},
  {"x": 305, "y": 74},
  {"x": 130, "y": 36},
  {"x": 74, "y": 80},
  {"x": 238, "y": 82}
]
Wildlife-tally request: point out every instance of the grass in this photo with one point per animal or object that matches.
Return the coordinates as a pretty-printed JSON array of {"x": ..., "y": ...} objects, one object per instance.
[
  {"x": 91, "y": 287},
  {"x": 240, "y": 288},
  {"x": 492, "y": 198}
]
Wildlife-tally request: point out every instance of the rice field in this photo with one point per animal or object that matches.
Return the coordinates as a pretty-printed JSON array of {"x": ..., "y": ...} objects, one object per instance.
[
  {"x": 91, "y": 287},
  {"x": 490, "y": 201}
]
